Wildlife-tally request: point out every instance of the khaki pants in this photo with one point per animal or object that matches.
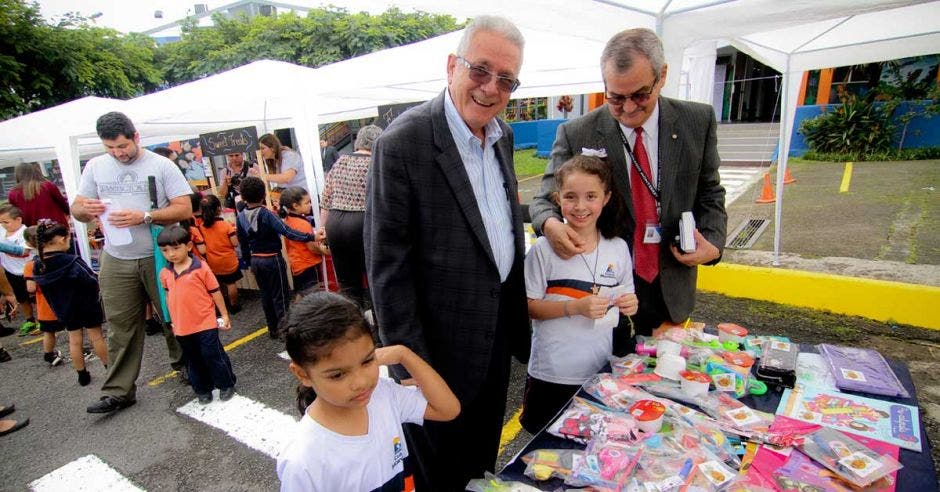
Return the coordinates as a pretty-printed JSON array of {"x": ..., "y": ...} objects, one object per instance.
[{"x": 126, "y": 288}]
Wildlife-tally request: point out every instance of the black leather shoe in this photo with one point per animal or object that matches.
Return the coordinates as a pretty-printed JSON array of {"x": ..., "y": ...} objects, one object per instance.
[{"x": 108, "y": 404}]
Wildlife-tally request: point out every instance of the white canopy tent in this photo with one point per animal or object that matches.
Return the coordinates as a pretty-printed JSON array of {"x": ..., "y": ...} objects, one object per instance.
[
  {"x": 900, "y": 32},
  {"x": 564, "y": 41}
]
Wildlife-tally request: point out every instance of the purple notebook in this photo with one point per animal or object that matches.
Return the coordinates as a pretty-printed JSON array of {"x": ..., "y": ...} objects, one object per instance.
[{"x": 865, "y": 370}]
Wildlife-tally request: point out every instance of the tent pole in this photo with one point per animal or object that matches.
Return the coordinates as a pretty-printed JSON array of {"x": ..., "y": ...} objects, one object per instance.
[
  {"x": 66, "y": 149},
  {"x": 786, "y": 128}
]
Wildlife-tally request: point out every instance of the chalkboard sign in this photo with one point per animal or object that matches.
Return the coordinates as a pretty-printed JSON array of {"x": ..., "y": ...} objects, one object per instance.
[
  {"x": 236, "y": 140},
  {"x": 390, "y": 112}
]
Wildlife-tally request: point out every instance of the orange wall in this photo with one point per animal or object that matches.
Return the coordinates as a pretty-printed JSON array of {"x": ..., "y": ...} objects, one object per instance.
[{"x": 825, "y": 86}]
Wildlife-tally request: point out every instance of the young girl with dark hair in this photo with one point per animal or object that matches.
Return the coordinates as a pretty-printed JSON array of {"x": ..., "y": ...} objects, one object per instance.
[
  {"x": 71, "y": 289},
  {"x": 350, "y": 415},
  {"x": 219, "y": 241},
  {"x": 567, "y": 296},
  {"x": 305, "y": 258}
]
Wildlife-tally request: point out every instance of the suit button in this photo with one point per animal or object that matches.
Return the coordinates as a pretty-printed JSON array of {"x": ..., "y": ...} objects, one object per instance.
[{"x": 494, "y": 293}]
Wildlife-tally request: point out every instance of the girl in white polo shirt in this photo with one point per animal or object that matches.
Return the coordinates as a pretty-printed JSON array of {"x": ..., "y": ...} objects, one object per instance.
[
  {"x": 350, "y": 436},
  {"x": 565, "y": 297}
]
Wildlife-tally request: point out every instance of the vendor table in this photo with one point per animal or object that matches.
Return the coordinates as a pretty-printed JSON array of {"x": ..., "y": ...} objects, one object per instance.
[{"x": 917, "y": 475}]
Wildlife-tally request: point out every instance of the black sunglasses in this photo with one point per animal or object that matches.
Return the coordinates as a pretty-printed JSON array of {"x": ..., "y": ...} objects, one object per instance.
[
  {"x": 481, "y": 75},
  {"x": 638, "y": 97}
]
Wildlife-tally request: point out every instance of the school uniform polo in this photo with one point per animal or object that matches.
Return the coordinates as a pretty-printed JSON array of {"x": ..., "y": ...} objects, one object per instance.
[
  {"x": 220, "y": 254},
  {"x": 301, "y": 257},
  {"x": 189, "y": 297}
]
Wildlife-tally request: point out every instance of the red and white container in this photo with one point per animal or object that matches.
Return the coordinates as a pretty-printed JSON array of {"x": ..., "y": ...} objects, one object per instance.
[
  {"x": 648, "y": 415},
  {"x": 730, "y": 332},
  {"x": 669, "y": 366},
  {"x": 694, "y": 383}
]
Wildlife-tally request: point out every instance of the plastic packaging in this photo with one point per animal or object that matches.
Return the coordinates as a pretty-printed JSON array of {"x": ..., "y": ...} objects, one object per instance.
[
  {"x": 730, "y": 332},
  {"x": 848, "y": 458},
  {"x": 492, "y": 483},
  {"x": 582, "y": 420},
  {"x": 543, "y": 464},
  {"x": 694, "y": 383},
  {"x": 864, "y": 370},
  {"x": 778, "y": 366},
  {"x": 648, "y": 415},
  {"x": 629, "y": 364},
  {"x": 604, "y": 465}
]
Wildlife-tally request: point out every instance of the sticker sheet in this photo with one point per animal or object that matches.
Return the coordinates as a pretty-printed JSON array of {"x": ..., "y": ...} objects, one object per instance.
[{"x": 893, "y": 423}]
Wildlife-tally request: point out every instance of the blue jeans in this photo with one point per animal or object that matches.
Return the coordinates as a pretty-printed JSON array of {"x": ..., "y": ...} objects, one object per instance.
[{"x": 209, "y": 365}]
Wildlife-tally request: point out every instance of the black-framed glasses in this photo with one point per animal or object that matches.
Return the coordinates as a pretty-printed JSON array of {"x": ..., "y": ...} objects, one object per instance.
[
  {"x": 481, "y": 75},
  {"x": 638, "y": 97}
]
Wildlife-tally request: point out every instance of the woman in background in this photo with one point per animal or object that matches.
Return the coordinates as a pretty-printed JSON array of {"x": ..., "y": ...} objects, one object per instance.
[
  {"x": 37, "y": 197},
  {"x": 285, "y": 166},
  {"x": 342, "y": 210}
]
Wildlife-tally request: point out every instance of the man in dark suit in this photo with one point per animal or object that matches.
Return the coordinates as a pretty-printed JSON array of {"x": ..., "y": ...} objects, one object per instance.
[
  {"x": 444, "y": 249},
  {"x": 664, "y": 154}
]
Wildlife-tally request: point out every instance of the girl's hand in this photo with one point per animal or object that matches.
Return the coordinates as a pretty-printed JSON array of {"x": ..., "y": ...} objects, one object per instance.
[
  {"x": 592, "y": 306},
  {"x": 389, "y": 356},
  {"x": 627, "y": 303}
]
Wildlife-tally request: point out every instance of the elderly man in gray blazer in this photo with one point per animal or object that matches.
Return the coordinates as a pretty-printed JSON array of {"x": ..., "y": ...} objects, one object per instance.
[
  {"x": 444, "y": 249},
  {"x": 664, "y": 155}
]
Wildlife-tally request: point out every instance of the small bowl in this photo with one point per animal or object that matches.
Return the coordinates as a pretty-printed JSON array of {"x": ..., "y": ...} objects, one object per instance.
[
  {"x": 648, "y": 415},
  {"x": 730, "y": 332}
]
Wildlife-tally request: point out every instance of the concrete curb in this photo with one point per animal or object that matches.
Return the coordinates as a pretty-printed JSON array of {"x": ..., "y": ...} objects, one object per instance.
[{"x": 881, "y": 300}]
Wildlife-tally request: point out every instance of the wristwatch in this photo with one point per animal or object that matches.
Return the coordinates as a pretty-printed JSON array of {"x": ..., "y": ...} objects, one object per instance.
[{"x": 148, "y": 219}]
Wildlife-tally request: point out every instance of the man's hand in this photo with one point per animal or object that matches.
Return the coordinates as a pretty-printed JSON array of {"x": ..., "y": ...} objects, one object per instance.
[
  {"x": 565, "y": 242},
  {"x": 125, "y": 218},
  {"x": 94, "y": 207},
  {"x": 704, "y": 252}
]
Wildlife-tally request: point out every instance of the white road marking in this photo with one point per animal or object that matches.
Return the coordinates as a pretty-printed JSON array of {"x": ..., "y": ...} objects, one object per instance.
[
  {"x": 253, "y": 424},
  {"x": 87, "y": 473},
  {"x": 737, "y": 180}
]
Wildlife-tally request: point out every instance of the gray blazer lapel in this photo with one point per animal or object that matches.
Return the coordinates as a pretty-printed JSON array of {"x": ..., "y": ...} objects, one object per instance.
[
  {"x": 607, "y": 128},
  {"x": 669, "y": 150},
  {"x": 456, "y": 175}
]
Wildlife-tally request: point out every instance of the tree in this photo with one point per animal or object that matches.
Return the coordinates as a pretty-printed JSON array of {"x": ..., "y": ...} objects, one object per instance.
[
  {"x": 325, "y": 35},
  {"x": 43, "y": 65}
]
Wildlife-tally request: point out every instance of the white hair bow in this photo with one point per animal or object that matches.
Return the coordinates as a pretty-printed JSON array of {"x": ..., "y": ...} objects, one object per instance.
[{"x": 602, "y": 153}]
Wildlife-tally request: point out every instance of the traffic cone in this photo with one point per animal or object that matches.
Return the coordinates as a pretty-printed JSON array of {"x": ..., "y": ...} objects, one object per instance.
[
  {"x": 767, "y": 192},
  {"x": 787, "y": 179}
]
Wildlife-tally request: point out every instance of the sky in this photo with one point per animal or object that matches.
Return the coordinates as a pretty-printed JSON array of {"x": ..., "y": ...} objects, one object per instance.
[{"x": 138, "y": 15}]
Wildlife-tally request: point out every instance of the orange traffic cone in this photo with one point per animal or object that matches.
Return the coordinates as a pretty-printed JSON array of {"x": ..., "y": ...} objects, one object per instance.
[
  {"x": 787, "y": 179},
  {"x": 767, "y": 192}
]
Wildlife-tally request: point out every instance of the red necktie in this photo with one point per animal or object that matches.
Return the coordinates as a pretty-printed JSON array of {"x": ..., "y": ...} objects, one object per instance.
[{"x": 645, "y": 256}]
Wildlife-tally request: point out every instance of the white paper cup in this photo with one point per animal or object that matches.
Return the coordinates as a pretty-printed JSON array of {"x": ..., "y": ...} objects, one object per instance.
[
  {"x": 694, "y": 383},
  {"x": 667, "y": 347},
  {"x": 669, "y": 366}
]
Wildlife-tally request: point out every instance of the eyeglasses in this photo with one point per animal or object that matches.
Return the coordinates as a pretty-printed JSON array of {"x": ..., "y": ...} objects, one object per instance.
[
  {"x": 638, "y": 97},
  {"x": 481, "y": 75}
]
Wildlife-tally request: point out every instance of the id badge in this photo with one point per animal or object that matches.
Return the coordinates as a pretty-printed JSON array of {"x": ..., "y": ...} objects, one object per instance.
[{"x": 652, "y": 234}]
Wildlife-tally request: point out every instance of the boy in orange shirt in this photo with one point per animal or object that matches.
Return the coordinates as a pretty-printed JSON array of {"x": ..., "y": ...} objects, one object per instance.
[{"x": 192, "y": 297}]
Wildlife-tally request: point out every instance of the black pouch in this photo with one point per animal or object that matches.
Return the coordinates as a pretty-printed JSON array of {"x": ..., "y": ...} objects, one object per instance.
[{"x": 778, "y": 364}]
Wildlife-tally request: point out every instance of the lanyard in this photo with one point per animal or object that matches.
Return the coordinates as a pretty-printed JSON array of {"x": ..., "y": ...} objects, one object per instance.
[{"x": 639, "y": 170}]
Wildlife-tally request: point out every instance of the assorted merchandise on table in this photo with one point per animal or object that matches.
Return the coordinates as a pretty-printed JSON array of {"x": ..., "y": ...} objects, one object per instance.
[{"x": 670, "y": 418}]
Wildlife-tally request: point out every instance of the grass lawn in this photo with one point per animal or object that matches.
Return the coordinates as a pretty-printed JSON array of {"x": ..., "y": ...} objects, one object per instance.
[
  {"x": 890, "y": 212},
  {"x": 527, "y": 164}
]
